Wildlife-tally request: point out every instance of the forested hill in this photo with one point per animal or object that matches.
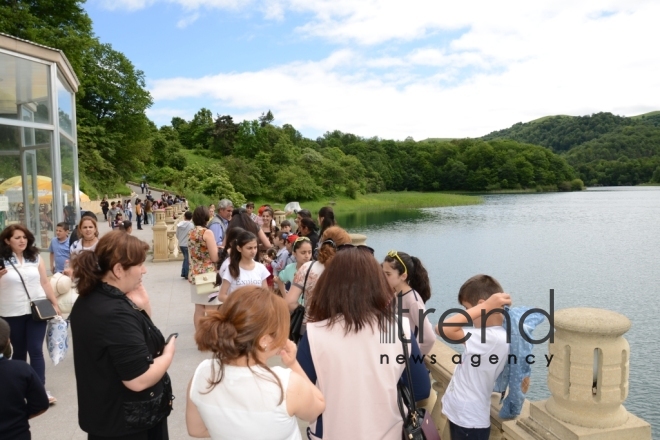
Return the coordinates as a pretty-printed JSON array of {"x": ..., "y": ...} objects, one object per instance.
[
  {"x": 561, "y": 133},
  {"x": 603, "y": 148}
]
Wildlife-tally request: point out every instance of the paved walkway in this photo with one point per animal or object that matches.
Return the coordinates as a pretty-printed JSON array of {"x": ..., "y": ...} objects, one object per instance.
[{"x": 172, "y": 312}]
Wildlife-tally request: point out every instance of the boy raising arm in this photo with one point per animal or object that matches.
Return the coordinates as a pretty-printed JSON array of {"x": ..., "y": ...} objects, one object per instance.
[{"x": 466, "y": 403}]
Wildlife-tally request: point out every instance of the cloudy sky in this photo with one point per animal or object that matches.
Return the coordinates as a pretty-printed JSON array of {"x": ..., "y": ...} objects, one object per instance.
[{"x": 420, "y": 68}]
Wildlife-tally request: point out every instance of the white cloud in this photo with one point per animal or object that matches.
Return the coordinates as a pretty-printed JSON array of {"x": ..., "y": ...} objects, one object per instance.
[
  {"x": 514, "y": 61},
  {"x": 187, "y": 21}
]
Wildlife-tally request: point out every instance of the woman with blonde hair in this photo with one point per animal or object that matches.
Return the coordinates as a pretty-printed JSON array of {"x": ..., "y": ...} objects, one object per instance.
[{"x": 236, "y": 395}]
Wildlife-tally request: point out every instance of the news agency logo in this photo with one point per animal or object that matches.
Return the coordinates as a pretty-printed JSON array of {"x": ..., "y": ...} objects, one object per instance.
[{"x": 389, "y": 335}]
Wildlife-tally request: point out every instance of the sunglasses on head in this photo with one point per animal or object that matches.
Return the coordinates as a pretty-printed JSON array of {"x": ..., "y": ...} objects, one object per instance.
[
  {"x": 347, "y": 246},
  {"x": 299, "y": 239},
  {"x": 395, "y": 254}
]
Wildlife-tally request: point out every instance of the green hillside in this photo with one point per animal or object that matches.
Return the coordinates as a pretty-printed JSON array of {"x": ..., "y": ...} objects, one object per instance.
[{"x": 603, "y": 148}]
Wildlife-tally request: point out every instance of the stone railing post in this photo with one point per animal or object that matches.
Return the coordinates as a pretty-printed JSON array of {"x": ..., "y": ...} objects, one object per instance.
[
  {"x": 280, "y": 216},
  {"x": 172, "y": 245},
  {"x": 358, "y": 239},
  {"x": 588, "y": 379},
  {"x": 160, "y": 237}
]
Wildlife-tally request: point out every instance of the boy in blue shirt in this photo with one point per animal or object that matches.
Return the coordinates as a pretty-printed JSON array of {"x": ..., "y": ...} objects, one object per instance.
[
  {"x": 22, "y": 395},
  {"x": 466, "y": 403},
  {"x": 59, "y": 248}
]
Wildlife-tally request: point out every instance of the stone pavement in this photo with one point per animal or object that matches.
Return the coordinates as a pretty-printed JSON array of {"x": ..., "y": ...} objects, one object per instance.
[{"x": 172, "y": 312}]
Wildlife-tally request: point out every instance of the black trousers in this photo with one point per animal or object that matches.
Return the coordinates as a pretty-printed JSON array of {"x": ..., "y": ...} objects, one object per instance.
[
  {"x": 460, "y": 433},
  {"x": 158, "y": 432},
  {"x": 146, "y": 222},
  {"x": 139, "y": 221}
]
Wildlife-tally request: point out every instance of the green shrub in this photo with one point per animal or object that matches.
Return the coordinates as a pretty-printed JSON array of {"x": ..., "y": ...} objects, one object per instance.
[{"x": 577, "y": 185}]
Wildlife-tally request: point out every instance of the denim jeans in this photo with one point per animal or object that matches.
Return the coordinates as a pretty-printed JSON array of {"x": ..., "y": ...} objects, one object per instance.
[
  {"x": 150, "y": 216},
  {"x": 27, "y": 337},
  {"x": 186, "y": 263}
]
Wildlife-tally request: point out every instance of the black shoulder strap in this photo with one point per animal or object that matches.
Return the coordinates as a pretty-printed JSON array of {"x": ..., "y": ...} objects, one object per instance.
[
  {"x": 402, "y": 337},
  {"x": 22, "y": 281}
]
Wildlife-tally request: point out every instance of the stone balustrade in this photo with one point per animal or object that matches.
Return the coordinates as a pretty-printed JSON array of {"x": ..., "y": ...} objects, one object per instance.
[
  {"x": 588, "y": 379},
  {"x": 166, "y": 245}
]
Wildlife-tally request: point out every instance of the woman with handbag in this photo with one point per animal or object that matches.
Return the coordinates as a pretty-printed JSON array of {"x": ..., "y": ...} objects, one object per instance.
[
  {"x": 344, "y": 353},
  {"x": 203, "y": 255},
  {"x": 24, "y": 283},
  {"x": 121, "y": 358},
  {"x": 236, "y": 395}
]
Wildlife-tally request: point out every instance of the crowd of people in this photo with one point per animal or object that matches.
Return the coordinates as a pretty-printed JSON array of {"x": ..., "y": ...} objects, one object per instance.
[
  {"x": 334, "y": 377},
  {"x": 117, "y": 214}
]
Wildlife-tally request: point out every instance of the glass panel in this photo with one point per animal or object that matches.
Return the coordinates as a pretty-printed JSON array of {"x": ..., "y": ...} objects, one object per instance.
[
  {"x": 65, "y": 105},
  {"x": 24, "y": 90},
  {"x": 25, "y": 157},
  {"x": 10, "y": 166},
  {"x": 68, "y": 201}
]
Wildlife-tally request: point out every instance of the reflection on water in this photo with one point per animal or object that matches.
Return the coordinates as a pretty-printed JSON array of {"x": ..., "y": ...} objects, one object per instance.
[
  {"x": 596, "y": 248},
  {"x": 377, "y": 219}
]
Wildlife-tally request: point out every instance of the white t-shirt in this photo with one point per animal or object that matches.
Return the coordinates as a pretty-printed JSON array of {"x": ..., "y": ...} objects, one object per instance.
[
  {"x": 77, "y": 247},
  {"x": 467, "y": 400},
  {"x": 245, "y": 404},
  {"x": 256, "y": 276},
  {"x": 223, "y": 267}
]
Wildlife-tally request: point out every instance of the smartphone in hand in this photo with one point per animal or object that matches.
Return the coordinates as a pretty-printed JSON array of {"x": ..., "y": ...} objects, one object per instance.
[
  {"x": 173, "y": 335},
  {"x": 2, "y": 264}
]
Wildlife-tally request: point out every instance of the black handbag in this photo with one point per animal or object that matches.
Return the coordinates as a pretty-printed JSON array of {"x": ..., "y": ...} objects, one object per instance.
[
  {"x": 417, "y": 423},
  {"x": 42, "y": 309},
  {"x": 298, "y": 315}
]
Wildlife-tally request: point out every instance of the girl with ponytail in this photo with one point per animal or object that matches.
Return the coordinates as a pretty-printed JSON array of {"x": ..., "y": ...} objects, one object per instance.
[
  {"x": 237, "y": 385},
  {"x": 409, "y": 279},
  {"x": 242, "y": 269}
]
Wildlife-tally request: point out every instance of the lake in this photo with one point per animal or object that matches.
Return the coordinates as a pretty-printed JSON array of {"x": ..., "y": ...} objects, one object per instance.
[{"x": 595, "y": 248}]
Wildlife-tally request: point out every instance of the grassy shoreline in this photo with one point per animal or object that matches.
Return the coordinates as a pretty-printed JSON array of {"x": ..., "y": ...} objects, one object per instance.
[{"x": 384, "y": 201}]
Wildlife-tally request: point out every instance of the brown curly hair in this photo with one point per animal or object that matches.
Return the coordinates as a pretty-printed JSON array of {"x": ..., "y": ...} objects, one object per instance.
[{"x": 327, "y": 251}]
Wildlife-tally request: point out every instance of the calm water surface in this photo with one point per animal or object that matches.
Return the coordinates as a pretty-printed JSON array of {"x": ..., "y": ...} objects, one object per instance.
[{"x": 596, "y": 248}]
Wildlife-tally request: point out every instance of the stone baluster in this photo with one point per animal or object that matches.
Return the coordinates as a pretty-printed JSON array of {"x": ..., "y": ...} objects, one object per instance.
[
  {"x": 160, "y": 237},
  {"x": 172, "y": 245},
  {"x": 280, "y": 216},
  {"x": 588, "y": 380}
]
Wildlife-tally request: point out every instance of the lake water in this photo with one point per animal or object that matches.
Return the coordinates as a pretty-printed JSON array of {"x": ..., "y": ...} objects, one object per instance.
[{"x": 595, "y": 248}]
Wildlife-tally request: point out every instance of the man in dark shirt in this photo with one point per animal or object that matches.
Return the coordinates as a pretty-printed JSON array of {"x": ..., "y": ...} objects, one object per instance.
[{"x": 22, "y": 395}]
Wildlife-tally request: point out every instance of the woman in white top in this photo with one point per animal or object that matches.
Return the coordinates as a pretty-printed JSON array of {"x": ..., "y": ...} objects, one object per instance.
[
  {"x": 235, "y": 395},
  {"x": 89, "y": 236},
  {"x": 21, "y": 259},
  {"x": 243, "y": 270}
]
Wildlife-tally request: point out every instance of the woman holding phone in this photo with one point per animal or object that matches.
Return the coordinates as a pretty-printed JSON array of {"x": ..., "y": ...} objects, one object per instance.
[{"x": 121, "y": 358}]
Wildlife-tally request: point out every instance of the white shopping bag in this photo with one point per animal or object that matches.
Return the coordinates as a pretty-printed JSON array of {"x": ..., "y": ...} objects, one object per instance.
[{"x": 57, "y": 339}]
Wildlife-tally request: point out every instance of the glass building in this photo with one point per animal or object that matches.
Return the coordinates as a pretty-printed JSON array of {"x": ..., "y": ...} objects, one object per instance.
[{"x": 39, "y": 184}]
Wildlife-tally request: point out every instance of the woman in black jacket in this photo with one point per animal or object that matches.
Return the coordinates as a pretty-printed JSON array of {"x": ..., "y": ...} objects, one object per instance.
[{"x": 121, "y": 358}]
